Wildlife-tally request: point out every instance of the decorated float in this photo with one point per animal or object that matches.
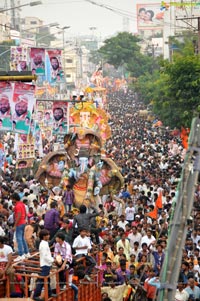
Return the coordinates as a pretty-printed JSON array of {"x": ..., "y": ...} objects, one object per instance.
[{"x": 83, "y": 164}]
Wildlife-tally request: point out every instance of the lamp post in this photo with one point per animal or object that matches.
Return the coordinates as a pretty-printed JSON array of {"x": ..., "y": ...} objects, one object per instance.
[
  {"x": 63, "y": 41},
  {"x": 13, "y": 8},
  {"x": 33, "y": 3},
  {"x": 28, "y": 34},
  {"x": 28, "y": 30}
]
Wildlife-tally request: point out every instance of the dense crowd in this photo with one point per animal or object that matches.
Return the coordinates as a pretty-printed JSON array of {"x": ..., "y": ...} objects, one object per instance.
[{"x": 120, "y": 240}]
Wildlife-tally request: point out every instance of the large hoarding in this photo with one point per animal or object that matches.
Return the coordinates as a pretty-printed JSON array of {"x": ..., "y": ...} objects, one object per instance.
[{"x": 149, "y": 16}]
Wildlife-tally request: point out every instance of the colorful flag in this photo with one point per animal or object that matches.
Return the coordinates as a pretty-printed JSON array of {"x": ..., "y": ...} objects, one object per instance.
[
  {"x": 153, "y": 214},
  {"x": 159, "y": 201},
  {"x": 184, "y": 137},
  {"x": 37, "y": 57}
]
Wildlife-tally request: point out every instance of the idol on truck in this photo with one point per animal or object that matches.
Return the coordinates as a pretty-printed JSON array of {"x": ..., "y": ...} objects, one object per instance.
[{"x": 83, "y": 165}]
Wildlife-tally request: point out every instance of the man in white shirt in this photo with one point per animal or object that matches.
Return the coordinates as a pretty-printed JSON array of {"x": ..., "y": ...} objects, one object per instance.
[
  {"x": 130, "y": 211},
  {"x": 134, "y": 236},
  {"x": 82, "y": 246},
  {"x": 181, "y": 294},
  {"x": 46, "y": 261},
  {"x": 6, "y": 263},
  {"x": 149, "y": 239},
  {"x": 122, "y": 222}
]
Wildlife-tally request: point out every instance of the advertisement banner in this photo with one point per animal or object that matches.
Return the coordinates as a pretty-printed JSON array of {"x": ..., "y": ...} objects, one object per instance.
[
  {"x": 55, "y": 73},
  {"x": 150, "y": 16},
  {"x": 19, "y": 58},
  {"x": 37, "y": 57},
  {"x": 22, "y": 107},
  {"x": 6, "y": 94}
]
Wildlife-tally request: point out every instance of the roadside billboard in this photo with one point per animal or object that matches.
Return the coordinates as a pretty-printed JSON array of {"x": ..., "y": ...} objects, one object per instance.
[{"x": 149, "y": 16}]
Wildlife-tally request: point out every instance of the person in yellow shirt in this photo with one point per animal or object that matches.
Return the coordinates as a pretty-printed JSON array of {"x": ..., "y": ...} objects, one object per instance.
[
  {"x": 101, "y": 217},
  {"x": 118, "y": 255},
  {"x": 108, "y": 251}
]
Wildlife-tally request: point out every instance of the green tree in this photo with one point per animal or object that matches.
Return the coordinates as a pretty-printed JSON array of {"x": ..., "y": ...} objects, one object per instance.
[
  {"x": 123, "y": 51},
  {"x": 174, "y": 90},
  {"x": 184, "y": 88},
  {"x": 5, "y": 47}
]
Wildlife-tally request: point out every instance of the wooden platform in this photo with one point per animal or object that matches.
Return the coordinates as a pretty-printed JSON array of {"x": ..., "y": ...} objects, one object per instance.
[{"x": 16, "y": 299}]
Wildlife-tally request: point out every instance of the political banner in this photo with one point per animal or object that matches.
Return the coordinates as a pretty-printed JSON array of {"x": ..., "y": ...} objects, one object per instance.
[
  {"x": 55, "y": 73},
  {"x": 36, "y": 133},
  {"x": 37, "y": 57},
  {"x": 24, "y": 163},
  {"x": 24, "y": 146},
  {"x": 44, "y": 113},
  {"x": 22, "y": 107},
  {"x": 6, "y": 94},
  {"x": 60, "y": 117},
  {"x": 19, "y": 58}
]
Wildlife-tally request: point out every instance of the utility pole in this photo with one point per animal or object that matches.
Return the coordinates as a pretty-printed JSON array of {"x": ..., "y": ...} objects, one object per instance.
[
  {"x": 181, "y": 215},
  {"x": 198, "y": 20},
  {"x": 198, "y": 28}
]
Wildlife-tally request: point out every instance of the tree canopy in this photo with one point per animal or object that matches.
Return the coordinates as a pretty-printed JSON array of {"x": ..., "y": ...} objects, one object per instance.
[
  {"x": 174, "y": 90},
  {"x": 123, "y": 51},
  {"x": 5, "y": 54}
]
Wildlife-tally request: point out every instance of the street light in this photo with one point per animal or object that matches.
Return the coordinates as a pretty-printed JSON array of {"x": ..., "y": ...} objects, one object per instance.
[
  {"x": 63, "y": 40},
  {"x": 38, "y": 27},
  {"x": 33, "y": 35},
  {"x": 33, "y": 3},
  {"x": 63, "y": 33}
]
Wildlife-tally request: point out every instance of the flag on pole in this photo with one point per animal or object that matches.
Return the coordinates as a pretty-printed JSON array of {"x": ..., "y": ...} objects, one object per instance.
[
  {"x": 153, "y": 214},
  {"x": 184, "y": 137},
  {"x": 159, "y": 201}
]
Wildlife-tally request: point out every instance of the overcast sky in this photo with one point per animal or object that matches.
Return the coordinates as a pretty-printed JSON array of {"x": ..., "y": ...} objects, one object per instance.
[{"x": 81, "y": 15}]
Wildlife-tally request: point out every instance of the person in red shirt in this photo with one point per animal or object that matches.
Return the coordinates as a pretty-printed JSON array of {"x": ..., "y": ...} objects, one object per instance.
[
  {"x": 19, "y": 226},
  {"x": 150, "y": 290}
]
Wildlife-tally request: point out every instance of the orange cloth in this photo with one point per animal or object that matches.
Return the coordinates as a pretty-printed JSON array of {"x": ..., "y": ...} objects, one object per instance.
[
  {"x": 184, "y": 137},
  {"x": 159, "y": 201},
  {"x": 153, "y": 214}
]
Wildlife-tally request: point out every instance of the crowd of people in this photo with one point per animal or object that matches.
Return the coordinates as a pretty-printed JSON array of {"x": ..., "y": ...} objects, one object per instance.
[{"x": 125, "y": 245}]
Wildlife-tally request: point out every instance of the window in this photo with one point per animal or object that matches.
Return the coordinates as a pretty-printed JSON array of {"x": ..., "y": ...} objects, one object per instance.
[
  {"x": 68, "y": 75},
  {"x": 69, "y": 61}
]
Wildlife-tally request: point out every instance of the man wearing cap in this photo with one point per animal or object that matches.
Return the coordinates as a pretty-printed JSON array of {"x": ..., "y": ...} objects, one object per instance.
[{"x": 21, "y": 108}]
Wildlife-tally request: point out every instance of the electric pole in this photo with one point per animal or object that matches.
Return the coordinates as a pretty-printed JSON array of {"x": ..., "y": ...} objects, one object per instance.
[{"x": 184, "y": 19}]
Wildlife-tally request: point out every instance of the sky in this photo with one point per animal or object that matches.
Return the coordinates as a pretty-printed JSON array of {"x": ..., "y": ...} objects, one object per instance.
[{"x": 81, "y": 15}]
